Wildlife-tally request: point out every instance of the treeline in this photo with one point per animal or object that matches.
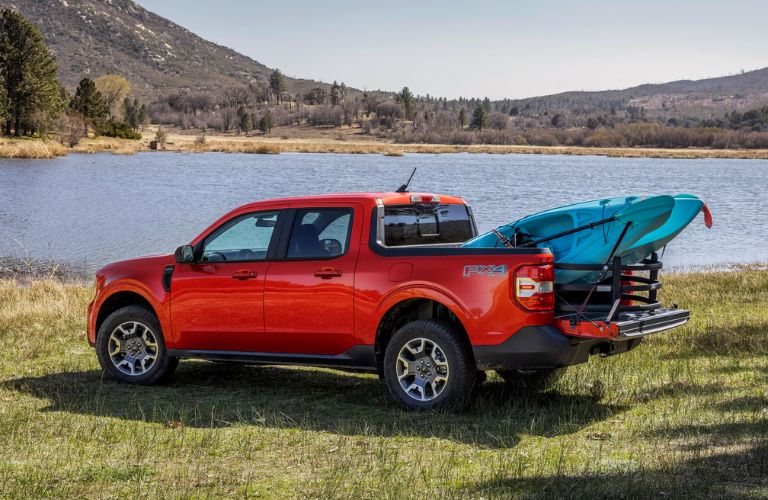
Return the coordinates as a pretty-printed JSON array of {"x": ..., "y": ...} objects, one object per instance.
[
  {"x": 258, "y": 106},
  {"x": 650, "y": 135},
  {"x": 34, "y": 103},
  {"x": 406, "y": 118}
]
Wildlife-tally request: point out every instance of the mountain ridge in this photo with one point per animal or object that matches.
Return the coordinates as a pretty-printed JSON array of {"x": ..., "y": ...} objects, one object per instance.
[
  {"x": 91, "y": 37},
  {"x": 160, "y": 57}
]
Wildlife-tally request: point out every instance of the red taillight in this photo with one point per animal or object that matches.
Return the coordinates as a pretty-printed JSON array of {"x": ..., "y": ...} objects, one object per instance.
[{"x": 534, "y": 287}]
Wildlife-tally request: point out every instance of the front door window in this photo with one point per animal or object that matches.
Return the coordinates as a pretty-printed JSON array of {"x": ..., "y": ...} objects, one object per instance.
[{"x": 245, "y": 238}]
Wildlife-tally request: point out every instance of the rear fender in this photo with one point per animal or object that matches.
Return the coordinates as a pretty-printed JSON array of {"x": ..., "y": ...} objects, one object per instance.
[{"x": 418, "y": 291}]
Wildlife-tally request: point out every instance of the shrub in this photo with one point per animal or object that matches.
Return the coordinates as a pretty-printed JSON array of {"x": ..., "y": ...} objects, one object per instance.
[{"x": 120, "y": 130}]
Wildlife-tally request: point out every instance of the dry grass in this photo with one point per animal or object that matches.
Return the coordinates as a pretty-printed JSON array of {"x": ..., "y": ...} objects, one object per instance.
[
  {"x": 352, "y": 144},
  {"x": 31, "y": 149},
  {"x": 110, "y": 145},
  {"x": 683, "y": 415}
]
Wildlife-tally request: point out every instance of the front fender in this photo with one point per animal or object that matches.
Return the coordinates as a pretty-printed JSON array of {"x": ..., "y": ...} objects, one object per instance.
[{"x": 159, "y": 304}]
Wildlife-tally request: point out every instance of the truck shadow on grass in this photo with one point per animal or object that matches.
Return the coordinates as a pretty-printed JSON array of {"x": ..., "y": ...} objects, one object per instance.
[
  {"x": 738, "y": 473},
  {"x": 207, "y": 395}
]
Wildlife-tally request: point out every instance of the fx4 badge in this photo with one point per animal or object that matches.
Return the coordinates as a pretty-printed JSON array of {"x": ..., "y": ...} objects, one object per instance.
[{"x": 485, "y": 270}]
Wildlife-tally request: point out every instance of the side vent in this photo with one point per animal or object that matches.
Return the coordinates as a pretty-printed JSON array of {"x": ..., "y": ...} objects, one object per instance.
[{"x": 167, "y": 275}]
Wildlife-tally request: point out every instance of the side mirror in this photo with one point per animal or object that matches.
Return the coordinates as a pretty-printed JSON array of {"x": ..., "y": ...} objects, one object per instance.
[{"x": 185, "y": 254}]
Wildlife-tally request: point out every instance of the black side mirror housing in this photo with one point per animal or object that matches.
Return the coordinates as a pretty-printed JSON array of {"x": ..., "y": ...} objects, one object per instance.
[{"x": 185, "y": 254}]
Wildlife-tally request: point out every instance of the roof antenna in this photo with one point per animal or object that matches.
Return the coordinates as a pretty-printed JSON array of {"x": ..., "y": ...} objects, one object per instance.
[{"x": 404, "y": 187}]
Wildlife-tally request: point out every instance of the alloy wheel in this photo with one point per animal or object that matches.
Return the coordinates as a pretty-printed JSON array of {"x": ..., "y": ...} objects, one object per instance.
[
  {"x": 422, "y": 369},
  {"x": 132, "y": 348}
]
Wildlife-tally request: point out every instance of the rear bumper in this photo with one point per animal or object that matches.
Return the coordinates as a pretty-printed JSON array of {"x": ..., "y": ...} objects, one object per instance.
[
  {"x": 569, "y": 342},
  {"x": 543, "y": 347}
]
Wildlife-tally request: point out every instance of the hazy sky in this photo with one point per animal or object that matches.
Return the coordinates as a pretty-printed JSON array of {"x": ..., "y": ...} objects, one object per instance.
[{"x": 486, "y": 48}]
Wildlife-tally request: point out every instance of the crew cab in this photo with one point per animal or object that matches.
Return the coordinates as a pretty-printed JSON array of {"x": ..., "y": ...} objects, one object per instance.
[{"x": 371, "y": 282}]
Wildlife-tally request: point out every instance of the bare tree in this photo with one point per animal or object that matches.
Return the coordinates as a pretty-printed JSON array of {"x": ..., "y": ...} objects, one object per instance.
[
  {"x": 232, "y": 97},
  {"x": 228, "y": 118},
  {"x": 71, "y": 128},
  {"x": 444, "y": 121},
  {"x": 497, "y": 120}
]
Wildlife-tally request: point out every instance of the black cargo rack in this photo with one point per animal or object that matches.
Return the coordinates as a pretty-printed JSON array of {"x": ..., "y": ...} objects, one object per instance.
[{"x": 616, "y": 286}]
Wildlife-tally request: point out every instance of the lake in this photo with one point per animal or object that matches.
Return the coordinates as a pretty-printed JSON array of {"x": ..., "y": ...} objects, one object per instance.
[{"x": 92, "y": 209}]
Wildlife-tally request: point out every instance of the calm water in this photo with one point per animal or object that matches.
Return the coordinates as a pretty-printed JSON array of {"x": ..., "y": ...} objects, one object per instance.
[{"x": 92, "y": 209}]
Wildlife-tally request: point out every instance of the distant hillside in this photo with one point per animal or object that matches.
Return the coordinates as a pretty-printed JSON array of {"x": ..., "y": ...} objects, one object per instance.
[
  {"x": 94, "y": 37},
  {"x": 707, "y": 97}
]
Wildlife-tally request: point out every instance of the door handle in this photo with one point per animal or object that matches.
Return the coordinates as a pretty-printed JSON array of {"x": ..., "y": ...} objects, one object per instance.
[
  {"x": 327, "y": 273},
  {"x": 244, "y": 275}
]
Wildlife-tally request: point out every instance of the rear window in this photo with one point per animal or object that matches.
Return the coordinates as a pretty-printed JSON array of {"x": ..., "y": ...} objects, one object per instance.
[{"x": 426, "y": 224}]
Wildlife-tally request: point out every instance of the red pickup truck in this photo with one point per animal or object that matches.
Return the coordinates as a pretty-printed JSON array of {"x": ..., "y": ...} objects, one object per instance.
[{"x": 368, "y": 282}]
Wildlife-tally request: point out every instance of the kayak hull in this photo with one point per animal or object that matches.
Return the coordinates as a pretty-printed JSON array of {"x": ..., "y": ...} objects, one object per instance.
[
  {"x": 687, "y": 207},
  {"x": 592, "y": 245}
]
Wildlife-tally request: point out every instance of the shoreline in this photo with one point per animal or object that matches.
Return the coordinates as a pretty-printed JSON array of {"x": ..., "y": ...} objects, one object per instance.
[
  {"x": 28, "y": 268},
  {"x": 25, "y": 148}
]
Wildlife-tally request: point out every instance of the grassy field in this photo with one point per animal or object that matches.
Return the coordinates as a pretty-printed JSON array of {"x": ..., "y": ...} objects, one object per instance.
[
  {"x": 346, "y": 140},
  {"x": 683, "y": 415}
]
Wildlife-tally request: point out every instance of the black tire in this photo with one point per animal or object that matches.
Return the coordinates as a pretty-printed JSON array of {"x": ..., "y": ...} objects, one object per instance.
[
  {"x": 157, "y": 369},
  {"x": 452, "y": 360},
  {"x": 533, "y": 380}
]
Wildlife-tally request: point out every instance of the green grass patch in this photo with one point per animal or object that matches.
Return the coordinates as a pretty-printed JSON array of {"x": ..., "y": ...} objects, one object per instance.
[{"x": 684, "y": 414}]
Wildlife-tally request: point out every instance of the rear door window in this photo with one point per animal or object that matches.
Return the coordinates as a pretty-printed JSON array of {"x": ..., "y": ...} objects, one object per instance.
[
  {"x": 320, "y": 233},
  {"x": 426, "y": 224}
]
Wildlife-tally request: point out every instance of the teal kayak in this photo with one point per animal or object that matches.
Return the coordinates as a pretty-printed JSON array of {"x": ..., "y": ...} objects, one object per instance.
[
  {"x": 687, "y": 207},
  {"x": 592, "y": 230}
]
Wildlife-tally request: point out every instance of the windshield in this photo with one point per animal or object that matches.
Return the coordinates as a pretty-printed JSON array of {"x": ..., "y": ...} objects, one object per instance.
[{"x": 426, "y": 224}]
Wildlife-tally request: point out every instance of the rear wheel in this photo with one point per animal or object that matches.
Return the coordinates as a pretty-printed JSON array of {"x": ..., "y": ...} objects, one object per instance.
[
  {"x": 427, "y": 365},
  {"x": 534, "y": 380},
  {"x": 131, "y": 348}
]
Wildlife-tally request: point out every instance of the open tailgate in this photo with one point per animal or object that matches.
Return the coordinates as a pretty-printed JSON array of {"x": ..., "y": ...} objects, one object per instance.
[{"x": 623, "y": 305}]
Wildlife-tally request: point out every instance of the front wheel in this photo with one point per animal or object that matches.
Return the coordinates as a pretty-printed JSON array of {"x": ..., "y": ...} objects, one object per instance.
[
  {"x": 427, "y": 365},
  {"x": 131, "y": 348}
]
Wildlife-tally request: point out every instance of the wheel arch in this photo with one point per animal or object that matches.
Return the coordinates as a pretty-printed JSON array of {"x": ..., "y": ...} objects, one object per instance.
[
  {"x": 120, "y": 299},
  {"x": 411, "y": 309}
]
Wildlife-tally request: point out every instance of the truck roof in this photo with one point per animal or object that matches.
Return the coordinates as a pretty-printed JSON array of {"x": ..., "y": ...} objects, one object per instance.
[{"x": 387, "y": 198}]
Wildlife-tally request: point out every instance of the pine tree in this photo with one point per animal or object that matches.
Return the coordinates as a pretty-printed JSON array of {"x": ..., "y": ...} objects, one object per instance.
[
  {"x": 406, "y": 97},
  {"x": 462, "y": 118},
  {"x": 88, "y": 102},
  {"x": 142, "y": 115},
  {"x": 335, "y": 94},
  {"x": 478, "y": 118},
  {"x": 487, "y": 105},
  {"x": 277, "y": 84},
  {"x": 130, "y": 112},
  {"x": 28, "y": 74},
  {"x": 135, "y": 112},
  {"x": 266, "y": 123},
  {"x": 245, "y": 122}
]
